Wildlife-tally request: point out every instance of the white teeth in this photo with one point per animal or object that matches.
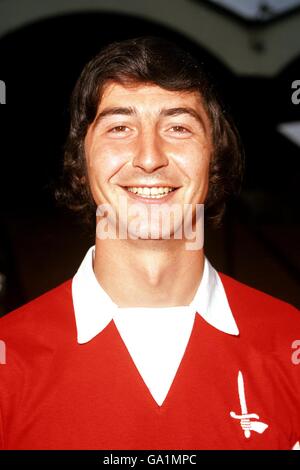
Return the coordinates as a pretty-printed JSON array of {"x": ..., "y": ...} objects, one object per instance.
[{"x": 154, "y": 192}]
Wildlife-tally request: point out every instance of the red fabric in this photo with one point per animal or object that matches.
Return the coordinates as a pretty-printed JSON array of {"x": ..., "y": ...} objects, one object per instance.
[{"x": 57, "y": 394}]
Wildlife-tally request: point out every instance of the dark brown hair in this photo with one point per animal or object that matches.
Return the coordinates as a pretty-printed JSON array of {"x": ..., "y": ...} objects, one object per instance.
[{"x": 156, "y": 61}]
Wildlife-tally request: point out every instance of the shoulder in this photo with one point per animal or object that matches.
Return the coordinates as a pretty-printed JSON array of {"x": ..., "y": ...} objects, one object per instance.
[
  {"x": 40, "y": 320},
  {"x": 246, "y": 300},
  {"x": 33, "y": 336},
  {"x": 265, "y": 322}
]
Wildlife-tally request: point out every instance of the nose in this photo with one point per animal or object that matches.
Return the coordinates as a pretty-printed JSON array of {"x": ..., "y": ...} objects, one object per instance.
[{"x": 150, "y": 155}]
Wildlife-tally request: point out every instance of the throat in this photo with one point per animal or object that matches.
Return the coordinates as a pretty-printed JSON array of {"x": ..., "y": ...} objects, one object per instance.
[{"x": 148, "y": 278}]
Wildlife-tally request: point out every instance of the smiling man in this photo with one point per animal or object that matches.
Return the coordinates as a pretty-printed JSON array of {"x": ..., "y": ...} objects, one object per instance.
[
  {"x": 153, "y": 149},
  {"x": 148, "y": 346}
]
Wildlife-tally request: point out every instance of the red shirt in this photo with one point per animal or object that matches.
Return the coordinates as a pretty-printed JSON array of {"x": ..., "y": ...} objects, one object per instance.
[{"x": 58, "y": 394}]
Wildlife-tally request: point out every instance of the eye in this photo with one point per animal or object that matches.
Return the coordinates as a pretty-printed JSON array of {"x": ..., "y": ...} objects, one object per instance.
[
  {"x": 179, "y": 130},
  {"x": 119, "y": 129}
]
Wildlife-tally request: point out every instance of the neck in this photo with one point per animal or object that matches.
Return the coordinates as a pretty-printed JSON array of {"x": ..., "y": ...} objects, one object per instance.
[{"x": 148, "y": 273}]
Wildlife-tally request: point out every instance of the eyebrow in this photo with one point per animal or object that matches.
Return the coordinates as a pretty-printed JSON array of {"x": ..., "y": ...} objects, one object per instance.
[
  {"x": 182, "y": 110},
  {"x": 114, "y": 111},
  {"x": 164, "y": 112}
]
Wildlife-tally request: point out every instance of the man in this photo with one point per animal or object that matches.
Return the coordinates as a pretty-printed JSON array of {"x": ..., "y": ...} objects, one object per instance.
[{"x": 148, "y": 347}]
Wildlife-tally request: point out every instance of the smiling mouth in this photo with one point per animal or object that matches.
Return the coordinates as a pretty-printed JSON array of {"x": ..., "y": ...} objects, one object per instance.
[{"x": 147, "y": 192}]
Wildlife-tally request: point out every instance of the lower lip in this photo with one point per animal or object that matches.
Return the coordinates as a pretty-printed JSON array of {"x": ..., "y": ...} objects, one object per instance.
[{"x": 150, "y": 200}]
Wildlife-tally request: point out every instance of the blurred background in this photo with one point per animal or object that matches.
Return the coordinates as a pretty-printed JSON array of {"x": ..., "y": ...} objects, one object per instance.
[{"x": 253, "y": 50}]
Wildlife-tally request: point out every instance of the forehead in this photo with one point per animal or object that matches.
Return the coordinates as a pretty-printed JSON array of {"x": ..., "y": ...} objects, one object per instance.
[{"x": 147, "y": 97}]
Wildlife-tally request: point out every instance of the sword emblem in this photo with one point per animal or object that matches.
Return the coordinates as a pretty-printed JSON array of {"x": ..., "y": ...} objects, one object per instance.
[{"x": 245, "y": 418}]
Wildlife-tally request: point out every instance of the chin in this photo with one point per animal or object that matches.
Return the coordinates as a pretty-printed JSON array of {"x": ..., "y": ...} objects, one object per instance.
[{"x": 153, "y": 232}]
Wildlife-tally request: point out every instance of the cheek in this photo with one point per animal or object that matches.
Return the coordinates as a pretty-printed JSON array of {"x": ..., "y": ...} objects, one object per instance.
[
  {"x": 200, "y": 162},
  {"x": 201, "y": 170},
  {"x": 194, "y": 161},
  {"x": 104, "y": 160}
]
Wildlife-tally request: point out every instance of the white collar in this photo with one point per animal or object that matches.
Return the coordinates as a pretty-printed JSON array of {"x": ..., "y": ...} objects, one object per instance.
[{"x": 94, "y": 309}]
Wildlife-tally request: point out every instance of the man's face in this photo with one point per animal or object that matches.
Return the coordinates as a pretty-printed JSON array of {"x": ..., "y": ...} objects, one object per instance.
[{"x": 150, "y": 146}]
